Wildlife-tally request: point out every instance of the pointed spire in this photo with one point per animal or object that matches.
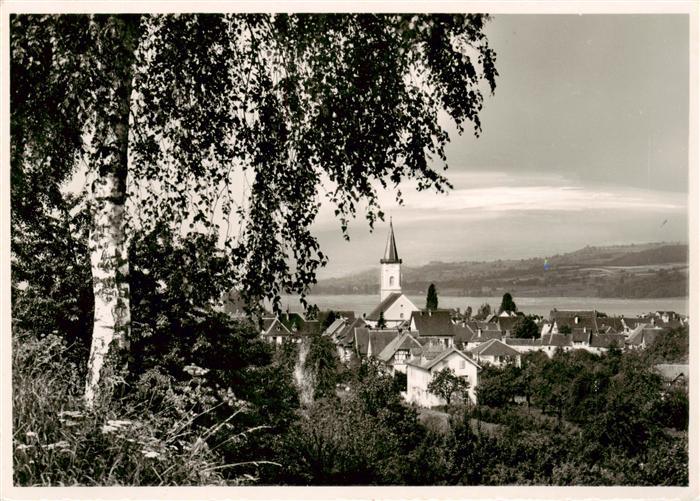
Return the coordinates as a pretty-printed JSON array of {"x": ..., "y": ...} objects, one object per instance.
[{"x": 390, "y": 253}]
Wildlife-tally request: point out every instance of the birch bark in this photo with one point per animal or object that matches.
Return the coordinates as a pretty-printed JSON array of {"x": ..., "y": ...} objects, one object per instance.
[{"x": 108, "y": 238}]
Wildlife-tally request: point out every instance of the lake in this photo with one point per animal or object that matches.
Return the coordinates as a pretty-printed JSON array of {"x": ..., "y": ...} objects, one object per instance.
[{"x": 364, "y": 303}]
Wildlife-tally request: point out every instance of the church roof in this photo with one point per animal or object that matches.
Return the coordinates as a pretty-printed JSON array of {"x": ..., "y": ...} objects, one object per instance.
[
  {"x": 383, "y": 306},
  {"x": 391, "y": 255}
]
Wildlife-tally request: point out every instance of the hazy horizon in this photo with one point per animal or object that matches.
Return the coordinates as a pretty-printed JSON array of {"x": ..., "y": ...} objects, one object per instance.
[{"x": 376, "y": 266}]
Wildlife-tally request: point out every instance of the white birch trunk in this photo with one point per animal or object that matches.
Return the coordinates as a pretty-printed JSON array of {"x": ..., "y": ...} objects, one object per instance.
[
  {"x": 108, "y": 242},
  {"x": 110, "y": 274}
]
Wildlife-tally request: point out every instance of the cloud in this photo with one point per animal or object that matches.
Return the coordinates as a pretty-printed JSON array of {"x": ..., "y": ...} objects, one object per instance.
[
  {"x": 489, "y": 195},
  {"x": 549, "y": 198}
]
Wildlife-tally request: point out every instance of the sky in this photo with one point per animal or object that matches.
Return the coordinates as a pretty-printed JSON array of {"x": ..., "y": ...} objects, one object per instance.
[{"x": 584, "y": 142}]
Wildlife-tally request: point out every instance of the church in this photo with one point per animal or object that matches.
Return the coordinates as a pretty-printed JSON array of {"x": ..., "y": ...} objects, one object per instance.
[{"x": 394, "y": 307}]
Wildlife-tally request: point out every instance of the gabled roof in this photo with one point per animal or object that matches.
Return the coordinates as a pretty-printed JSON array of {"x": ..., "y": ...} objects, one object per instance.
[
  {"x": 379, "y": 339},
  {"x": 432, "y": 323},
  {"x": 644, "y": 335},
  {"x": 463, "y": 333},
  {"x": 346, "y": 336},
  {"x": 383, "y": 306},
  {"x": 610, "y": 324},
  {"x": 309, "y": 328},
  {"x": 402, "y": 342},
  {"x": 586, "y": 318},
  {"x": 429, "y": 364},
  {"x": 391, "y": 255},
  {"x": 605, "y": 340},
  {"x": 335, "y": 327},
  {"x": 671, "y": 324},
  {"x": 556, "y": 340},
  {"x": 632, "y": 322},
  {"x": 486, "y": 336},
  {"x": 361, "y": 341},
  {"x": 273, "y": 327},
  {"x": 494, "y": 348},
  {"x": 578, "y": 336}
]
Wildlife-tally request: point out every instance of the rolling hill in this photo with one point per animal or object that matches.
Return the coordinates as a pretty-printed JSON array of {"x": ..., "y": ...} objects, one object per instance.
[{"x": 625, "y": 271}]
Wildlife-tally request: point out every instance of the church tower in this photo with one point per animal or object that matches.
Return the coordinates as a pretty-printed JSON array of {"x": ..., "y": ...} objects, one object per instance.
[{"x": 390, "y": 280}]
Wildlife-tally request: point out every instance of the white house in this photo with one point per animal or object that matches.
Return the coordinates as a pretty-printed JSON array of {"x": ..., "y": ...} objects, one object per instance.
[
  {"x": 420, "y": 371},
  {"x": 274, "y": 331}
]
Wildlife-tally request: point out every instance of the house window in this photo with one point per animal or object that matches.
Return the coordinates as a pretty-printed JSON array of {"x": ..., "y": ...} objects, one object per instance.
[
  {"x": 401, "y": 315},
  {"x": 461, "y": 364},
  {"x": 391, "y": 280}
]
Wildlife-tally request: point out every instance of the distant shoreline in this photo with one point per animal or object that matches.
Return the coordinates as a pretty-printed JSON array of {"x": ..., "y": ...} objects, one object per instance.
[{"x": 364, "y": 303}]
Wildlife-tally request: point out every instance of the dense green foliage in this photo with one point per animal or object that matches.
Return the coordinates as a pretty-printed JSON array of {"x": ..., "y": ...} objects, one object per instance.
[
  {"x": 672, "y": 347},
  {"x": 381, "y": 321},
  {"x": 447, "y": 385},
  {"x": 619, "y": 398},
  {"x": 507, "y": 304},
  {"x": 483, "y": 312},
  {"x": 431, "y": 299},
  {"x": 284, "y": 100},
  {"x": 525, "y": 327},
  {"x": 322, "y": 366}
]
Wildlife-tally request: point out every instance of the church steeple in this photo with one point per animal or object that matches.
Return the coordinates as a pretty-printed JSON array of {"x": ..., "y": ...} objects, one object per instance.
[
  {"x": 390, "y": 278},
  {"x": 390, "y": 253}
]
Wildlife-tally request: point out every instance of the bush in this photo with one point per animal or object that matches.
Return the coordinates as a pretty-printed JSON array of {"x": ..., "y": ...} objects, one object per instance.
[{"x": 56, "y": 442}]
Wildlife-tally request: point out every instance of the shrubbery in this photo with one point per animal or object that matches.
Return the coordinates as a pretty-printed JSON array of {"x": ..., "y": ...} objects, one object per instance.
[{"x": 57, "y": 443}]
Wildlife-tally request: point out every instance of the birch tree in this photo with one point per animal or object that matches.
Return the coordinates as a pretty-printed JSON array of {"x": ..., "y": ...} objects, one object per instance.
[{"x": 240, "y": 125}]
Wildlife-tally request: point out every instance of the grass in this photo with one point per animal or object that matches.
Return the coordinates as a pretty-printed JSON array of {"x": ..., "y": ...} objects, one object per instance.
[{"x": 57, "y": 442}]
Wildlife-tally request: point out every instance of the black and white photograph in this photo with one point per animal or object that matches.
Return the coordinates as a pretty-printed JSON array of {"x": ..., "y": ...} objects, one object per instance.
[{"x": 299, "y": 246}]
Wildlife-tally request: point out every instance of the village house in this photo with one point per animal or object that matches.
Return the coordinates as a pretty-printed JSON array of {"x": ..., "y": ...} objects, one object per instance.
[
  {"x": 601, "y": 343},
  {"x": 421, "y": 370},
  {"x": 553, "y": 342},
  {"x": 495, "y": 352},
  {"x": 433, "y": 326},
  {"x": 274, "y": 331},
  {"x": 524, "y": 345},
  {"x": 370, "y": 342},
  {"x": 571, "y": 319},
  {"x": 463, "y": 334},
  {"x": 643, "y": 336},
  {"x": 345, "y": 339},
  {"x": 485, "y": 331},
  {"x": 397, "y": 353}
]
